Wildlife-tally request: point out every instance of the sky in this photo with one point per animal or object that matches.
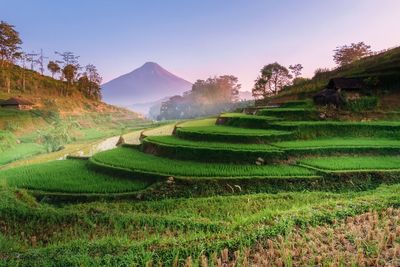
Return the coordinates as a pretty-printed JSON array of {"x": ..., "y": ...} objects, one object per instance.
[{"x": 196, "y": 39}]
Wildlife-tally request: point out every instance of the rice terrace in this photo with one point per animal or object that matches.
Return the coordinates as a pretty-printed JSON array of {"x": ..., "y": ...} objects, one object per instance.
[{"x": 149, "y": 169}]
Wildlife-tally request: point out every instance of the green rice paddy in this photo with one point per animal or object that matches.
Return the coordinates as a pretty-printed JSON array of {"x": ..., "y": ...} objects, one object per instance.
[
  {"x": 139, "y": 162},
  {"x": 67, "y": 176}
]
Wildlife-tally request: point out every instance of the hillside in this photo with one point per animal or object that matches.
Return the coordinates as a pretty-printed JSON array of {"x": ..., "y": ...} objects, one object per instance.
[
  {"x": 59, "y": 116},
  {"x": 147, "y": 84},
  {"x": 383, "y": 67}
]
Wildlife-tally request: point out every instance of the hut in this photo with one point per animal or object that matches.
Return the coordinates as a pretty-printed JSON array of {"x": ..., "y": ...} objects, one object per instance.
[
  {"x": 352, "y": 87},
  {"x": 17, "y": 103}
]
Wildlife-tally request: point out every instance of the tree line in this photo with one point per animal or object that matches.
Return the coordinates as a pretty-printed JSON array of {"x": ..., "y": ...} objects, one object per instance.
[{"x": 65, "y": 68}]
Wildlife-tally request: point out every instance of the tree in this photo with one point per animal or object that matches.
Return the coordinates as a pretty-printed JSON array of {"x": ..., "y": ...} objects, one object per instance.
[
  {"x": 53, "y": 67},
  {"x": 9, "y": 43},
  {"x": 272, "y": 79},
  {"x": 296, "y": 70},
  {"x": 9, "y": 50},
  {"x": 347, "y": 54},
  {"x": 70, "y": 72},
  {"x": 89, "y": 82}
]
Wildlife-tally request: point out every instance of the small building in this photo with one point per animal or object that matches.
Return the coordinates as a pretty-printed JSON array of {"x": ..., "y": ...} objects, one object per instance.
[
  {"x": 17, "y": 103},
  {"x": 352, "y": 87}
]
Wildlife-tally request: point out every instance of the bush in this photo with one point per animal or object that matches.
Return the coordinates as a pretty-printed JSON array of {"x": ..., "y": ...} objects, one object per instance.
[{"x": 363, "y": 103}]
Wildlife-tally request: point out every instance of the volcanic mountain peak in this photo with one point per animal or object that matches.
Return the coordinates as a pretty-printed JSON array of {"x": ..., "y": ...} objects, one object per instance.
[{"x": 148, "y": 83}]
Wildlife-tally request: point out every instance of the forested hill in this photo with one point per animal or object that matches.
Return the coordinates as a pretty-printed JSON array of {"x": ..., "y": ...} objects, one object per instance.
[{"x": 380, "y": 69}]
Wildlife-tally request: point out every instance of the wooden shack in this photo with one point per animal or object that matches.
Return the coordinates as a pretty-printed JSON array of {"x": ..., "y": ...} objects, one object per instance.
[{"x": 17, "y": 103}]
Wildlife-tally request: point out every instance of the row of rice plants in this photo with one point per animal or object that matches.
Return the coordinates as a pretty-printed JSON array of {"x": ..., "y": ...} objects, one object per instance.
[
  {"x": 136, "y": 161},
  {"x": 69, "y": 176},
  {"x": 172, "y": 147},
  {"x": 315, "y": 129},
  {"x": 232, "y": 134},
  {"x": 246, "y": 121},
  {"x": 267, "y": 216},
  {"x": 296, "y": 113},
  {"x": 339, "y": 146},
  {"x": 354, "y": 163}
]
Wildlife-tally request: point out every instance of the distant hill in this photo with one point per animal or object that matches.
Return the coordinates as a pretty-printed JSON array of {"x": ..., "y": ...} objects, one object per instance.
[{"x": 144, "y": 85}]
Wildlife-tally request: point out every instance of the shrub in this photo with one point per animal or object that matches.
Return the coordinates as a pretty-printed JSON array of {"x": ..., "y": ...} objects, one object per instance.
[{"x": 363, "y": 103}]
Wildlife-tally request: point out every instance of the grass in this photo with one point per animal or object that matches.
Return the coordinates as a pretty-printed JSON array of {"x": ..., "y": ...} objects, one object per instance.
[
  {"x": 198, "y": 123},
  {"x": 139, "y": 162},
  {"x": 21, "y": 151},
  {"x": 231, "y": 134},
  {"x": 290, "y": 113},
  {"x": 339, "y": 142},
  {"x": 173, "y": 141},
  {"x": 247, "y": 116},
  {"x": 173, "y": 147},
  {"x": 69, "y": 176},
  {"x": 354, "y": 163}
]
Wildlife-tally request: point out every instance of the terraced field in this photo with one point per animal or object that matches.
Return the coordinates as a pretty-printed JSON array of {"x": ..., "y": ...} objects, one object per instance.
[{"x": 190, "y": 191}]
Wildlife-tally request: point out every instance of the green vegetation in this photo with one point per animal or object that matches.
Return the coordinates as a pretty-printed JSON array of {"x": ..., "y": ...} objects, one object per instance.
[
  {"x": 354, "y": 163},
  {"x": 313, "y": 129},
  {"x": 362, "y": 104},
  {"x": 232, "y": 134},
  {"x": 186, "y": 192},
  {"x": 296, "y": 113},
  {"x": 138, "y": 162},
  {"x": 68, "y": 176},
  {"x": 383, "y": 67},
  {"x": 136, "y": 233},
  {"x": 172, "y": 147},
  {"x": 21, "y": 151}
]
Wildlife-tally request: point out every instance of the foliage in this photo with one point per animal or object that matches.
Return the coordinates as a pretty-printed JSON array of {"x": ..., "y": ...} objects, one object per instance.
[
  {"x": 273, "y": 78},
  {"x": 7, "y": 140},
  {"x": 71, "y": 176},
  {"x": 347, "y": 54},
  {"x": 54, "y": 138},
  {"x": 53, "y": 68},
  {"x": 362, "y": 104},
  {"x": 9, "y": 43}
]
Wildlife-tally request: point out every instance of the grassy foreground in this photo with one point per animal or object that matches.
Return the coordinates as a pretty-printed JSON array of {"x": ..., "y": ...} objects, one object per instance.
[{"x": 126, "y": 233}]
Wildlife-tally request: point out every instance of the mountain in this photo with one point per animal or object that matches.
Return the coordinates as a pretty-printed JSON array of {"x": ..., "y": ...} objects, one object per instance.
[{"x": 146, "y": 84}]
